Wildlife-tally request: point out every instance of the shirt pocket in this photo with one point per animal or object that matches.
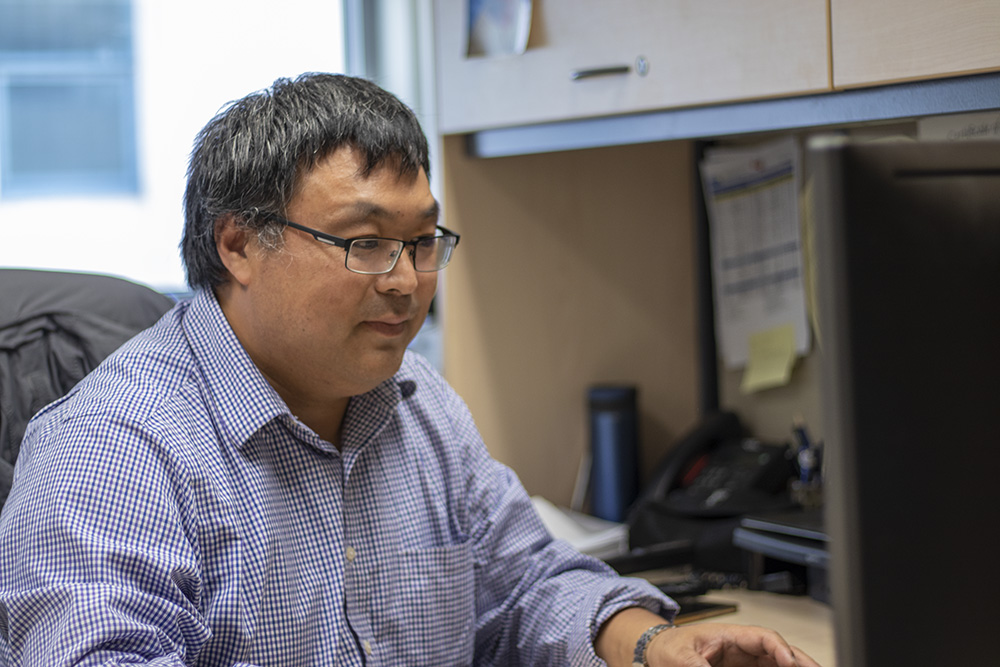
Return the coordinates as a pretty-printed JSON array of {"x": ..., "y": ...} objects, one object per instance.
[{"x": 430, "y": 618}]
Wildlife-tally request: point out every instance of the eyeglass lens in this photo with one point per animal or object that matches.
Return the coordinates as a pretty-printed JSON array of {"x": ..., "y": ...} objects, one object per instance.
[{"x": 379, "y": 255}]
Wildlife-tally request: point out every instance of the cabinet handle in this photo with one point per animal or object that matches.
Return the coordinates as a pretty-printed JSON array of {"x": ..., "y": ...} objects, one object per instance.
[
  {"x": 592, "y": 72},
  {"x": 641, "y": 67}
]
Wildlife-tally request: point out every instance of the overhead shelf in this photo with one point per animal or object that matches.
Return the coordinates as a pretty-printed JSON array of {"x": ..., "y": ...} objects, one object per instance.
[{"x": 835, "y": 109}]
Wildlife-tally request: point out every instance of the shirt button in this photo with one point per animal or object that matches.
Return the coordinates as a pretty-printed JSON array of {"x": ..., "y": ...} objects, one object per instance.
[
  {"x": 368, "y": 646},
  {"x": 351, "y": 554}
]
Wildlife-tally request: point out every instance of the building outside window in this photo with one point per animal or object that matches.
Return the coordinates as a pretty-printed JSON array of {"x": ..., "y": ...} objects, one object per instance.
[{"x": 67, "y": 108}]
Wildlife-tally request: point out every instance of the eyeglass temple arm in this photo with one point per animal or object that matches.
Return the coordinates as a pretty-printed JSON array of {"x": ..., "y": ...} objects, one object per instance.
[
  {"x": 448, "y": 232},
  {"x": 329, "y": 239}
]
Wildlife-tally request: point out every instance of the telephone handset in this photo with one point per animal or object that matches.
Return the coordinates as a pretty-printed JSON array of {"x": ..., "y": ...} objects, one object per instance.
[{"x": 718, "y": 471}]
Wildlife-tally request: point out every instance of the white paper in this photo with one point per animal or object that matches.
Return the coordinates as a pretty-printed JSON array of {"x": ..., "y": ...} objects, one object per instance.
[
  {"x": 498, "y": 27},
  {"x": 960, "y": 127},
  {"x": 752, "y": 200},
  {"x": 588, "y": 534}
]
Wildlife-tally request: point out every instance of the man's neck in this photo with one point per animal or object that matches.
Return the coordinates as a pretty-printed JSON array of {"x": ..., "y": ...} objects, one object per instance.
[{"x": 326, "y": 420}]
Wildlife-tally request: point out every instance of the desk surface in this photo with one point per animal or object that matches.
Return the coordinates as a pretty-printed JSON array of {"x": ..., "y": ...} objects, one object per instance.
[{"x": 802, "y": 621}]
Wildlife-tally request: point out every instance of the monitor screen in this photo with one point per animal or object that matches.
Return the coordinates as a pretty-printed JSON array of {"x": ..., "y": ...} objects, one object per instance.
[{"x": 908, "y": 289}]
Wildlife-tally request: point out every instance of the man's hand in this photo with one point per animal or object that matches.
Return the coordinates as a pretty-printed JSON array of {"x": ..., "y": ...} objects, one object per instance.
[
  {"x": 715, "y": 644},
  {"x": 698, "y": 645}
]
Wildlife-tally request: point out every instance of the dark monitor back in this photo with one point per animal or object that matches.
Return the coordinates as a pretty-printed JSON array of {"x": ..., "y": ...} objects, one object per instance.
[{"x": 908, "y": 271}]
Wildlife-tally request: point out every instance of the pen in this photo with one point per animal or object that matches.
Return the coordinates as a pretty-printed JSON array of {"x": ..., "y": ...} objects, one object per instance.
[{"x": 806, "y": 456}]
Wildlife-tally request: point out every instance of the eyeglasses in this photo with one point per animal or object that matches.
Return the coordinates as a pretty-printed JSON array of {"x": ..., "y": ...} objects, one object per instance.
[{"x": 374, "y": 255}]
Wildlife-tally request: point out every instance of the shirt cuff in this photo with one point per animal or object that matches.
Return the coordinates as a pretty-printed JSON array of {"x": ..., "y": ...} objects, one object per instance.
[{"x": 606, "y": 601}]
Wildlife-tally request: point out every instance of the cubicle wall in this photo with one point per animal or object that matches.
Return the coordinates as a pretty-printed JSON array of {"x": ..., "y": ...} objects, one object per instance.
[{"x": 575, "y": 268}]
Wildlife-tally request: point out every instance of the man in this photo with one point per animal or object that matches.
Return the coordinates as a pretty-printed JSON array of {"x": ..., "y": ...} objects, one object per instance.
[{"x": 268, "y": 477}]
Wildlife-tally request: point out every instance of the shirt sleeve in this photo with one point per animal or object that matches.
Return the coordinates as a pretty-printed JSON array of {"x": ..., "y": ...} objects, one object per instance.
[
  {"x": 98, "y": 564},
  {"x": 538, "y": 600}
]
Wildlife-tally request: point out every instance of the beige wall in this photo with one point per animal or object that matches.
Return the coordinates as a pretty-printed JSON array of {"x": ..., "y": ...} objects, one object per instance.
[
  {"x": 574, "y": 268},
  {"x": 769, "y": 413}
]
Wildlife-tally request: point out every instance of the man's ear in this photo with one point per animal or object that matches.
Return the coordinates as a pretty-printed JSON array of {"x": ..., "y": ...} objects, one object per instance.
[{"x": 232, "y": 242}]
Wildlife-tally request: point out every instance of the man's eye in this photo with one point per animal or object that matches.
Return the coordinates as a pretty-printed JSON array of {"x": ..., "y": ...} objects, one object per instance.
[{"x": 365, "y": 245}]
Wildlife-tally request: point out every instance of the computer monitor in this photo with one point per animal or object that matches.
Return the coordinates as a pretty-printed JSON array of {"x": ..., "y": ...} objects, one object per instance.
[{"x": 908, "y": 276}]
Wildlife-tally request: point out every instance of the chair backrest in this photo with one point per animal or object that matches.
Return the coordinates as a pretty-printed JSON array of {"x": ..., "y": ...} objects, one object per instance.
[{"x": 55, "y": 327}]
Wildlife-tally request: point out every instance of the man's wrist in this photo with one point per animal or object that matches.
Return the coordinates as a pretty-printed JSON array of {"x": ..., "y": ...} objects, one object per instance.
[
  {"x": 639, "y": 657},
  {"x": 616, "y": 639}
]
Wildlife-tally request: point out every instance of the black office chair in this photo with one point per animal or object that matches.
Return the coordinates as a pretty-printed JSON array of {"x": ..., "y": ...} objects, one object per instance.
[{"x": 55, "y": 327}]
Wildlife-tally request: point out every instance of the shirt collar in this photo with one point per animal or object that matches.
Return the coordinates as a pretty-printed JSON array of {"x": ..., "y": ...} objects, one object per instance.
[{"x": 242, "y": 399}]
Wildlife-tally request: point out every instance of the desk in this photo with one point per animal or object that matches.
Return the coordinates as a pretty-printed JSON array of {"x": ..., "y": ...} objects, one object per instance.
[{"x": 802, "y": 621}]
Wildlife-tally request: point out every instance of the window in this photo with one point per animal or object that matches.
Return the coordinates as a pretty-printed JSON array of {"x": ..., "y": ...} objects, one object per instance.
[
  {"x": 123, "y": 87},
  {"x": 67, "y": 122}
]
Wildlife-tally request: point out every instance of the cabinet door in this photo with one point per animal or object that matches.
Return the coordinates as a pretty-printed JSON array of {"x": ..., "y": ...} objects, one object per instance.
[
  {"x": 697, "y": 52},
  {"x": 879, "y": 41}
]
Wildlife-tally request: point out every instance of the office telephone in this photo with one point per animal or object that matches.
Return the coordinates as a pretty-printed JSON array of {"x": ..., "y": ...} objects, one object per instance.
[
  {"x": 714, "y": 475},
  {"x": 717, "y": 470}
]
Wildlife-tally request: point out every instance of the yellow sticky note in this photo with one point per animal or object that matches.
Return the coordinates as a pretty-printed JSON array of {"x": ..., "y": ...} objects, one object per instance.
[{"x": 772, "y": 354}]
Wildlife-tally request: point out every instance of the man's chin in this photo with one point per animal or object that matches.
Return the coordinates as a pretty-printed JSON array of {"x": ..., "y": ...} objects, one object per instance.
[{"x": 383, "y": 367}]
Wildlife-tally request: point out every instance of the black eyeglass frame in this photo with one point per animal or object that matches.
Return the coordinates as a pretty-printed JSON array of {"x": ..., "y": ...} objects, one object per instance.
[{"x": 330, "y": 239}]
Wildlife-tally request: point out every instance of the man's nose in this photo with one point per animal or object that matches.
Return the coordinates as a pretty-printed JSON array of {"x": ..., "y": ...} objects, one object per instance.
[{"x": 403, "y": 276}]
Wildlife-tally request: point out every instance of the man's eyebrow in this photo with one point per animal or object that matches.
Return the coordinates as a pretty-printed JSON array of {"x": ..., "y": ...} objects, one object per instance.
[
  {"x": 433, "y": 211},
  {"x": 366, "y": 209}
]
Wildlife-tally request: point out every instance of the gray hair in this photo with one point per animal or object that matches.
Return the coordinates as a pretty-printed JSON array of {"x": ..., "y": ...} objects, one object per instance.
[{"x": 246, "y": 159}]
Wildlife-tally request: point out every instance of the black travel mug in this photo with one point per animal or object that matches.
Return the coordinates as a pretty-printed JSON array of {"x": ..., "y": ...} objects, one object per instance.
[{"x": 614, "y": 451}]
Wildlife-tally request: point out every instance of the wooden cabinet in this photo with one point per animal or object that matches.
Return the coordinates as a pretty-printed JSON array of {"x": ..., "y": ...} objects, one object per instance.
[
  {"x": 886, "y": 41},
  {"x": 692, "y": 52}
]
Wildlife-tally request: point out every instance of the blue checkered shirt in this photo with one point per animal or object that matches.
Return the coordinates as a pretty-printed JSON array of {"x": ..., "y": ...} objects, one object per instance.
[{"x": 171, "y": 511}]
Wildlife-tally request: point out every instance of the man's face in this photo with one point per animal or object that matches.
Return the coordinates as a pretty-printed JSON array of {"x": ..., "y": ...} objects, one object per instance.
[{"x": 318, "y": 331}]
